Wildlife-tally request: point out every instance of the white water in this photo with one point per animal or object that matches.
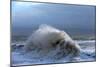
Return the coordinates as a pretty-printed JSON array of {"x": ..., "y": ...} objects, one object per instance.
[{"x": 21, "y": 58}]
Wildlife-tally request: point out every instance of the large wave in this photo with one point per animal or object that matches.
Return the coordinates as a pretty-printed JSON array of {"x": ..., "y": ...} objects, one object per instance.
[
  {"x": 48, "y": 40},
  {"x": 49, "y": 45}
]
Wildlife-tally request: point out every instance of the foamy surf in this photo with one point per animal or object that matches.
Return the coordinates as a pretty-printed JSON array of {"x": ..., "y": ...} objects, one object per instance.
[{"x": 21, "y": 58}]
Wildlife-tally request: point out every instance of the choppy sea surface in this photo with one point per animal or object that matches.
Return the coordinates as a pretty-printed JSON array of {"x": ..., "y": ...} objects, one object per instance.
[{"x": 88, "y": 53}]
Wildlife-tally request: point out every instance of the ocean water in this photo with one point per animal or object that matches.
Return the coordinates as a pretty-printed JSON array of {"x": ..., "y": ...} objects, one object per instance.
[
  {"x": 76, "y": 20},
  {"x": 87, "y": 53}
]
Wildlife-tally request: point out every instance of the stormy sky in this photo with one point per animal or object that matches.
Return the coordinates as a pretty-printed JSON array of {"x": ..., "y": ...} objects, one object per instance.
[{"x": 29, "y": 15}]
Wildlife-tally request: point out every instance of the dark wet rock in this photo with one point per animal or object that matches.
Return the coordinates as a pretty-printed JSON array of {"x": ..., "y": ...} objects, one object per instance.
[{"x": 16, "y": 47}]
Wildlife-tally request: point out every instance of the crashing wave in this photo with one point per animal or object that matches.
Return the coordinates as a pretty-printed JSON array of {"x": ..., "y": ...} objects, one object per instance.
[
  {"x": 52, "y": 42},
  {"x": 50, "y": 45}
]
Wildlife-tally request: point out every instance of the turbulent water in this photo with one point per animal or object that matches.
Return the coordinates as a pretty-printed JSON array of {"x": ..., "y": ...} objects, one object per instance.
[{"x": 20, "y": 58}]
